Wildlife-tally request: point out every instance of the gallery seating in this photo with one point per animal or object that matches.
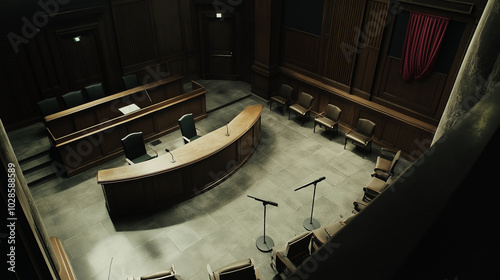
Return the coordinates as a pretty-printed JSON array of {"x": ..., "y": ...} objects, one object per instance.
[
  {"x": 283, "y": 98},
  {"x": 135, "y": 149},
  {"x": 49, "y": 106},
  {"x": 95, "y": 91},
  {"x": 363, "y": 135},
  {"x": 130, "y": 81},
  {"x": 329, "y": 119},
  {"x": 188, "y": 128},
  {"x": 360, "y": 206},
  {"x": 303, "y": 106},
  {"x": 168, "y": 274},
  {"x": 73, "y": 99},
  {"x": 375, "y": 187},
  {"x": 291, "y": 255},
  {"x": 321, "y": 235},
  {"x": 240, "y": 270},
  {"x": 384, "y": 167}
]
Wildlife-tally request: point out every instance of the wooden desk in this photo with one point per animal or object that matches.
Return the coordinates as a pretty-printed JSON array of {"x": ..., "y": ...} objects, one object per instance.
[
  {"x": 87, "y": 135},
  {"x": 198, "y": 166}
]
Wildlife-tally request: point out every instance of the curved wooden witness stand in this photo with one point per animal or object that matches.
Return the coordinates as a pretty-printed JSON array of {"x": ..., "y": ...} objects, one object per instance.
[{"x": 198, "y": 166}]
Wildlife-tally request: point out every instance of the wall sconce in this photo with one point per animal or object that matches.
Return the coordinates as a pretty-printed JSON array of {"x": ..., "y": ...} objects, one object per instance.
[
  {"x": 76, "y": 39},
  {"x": 218, "y": 15}
]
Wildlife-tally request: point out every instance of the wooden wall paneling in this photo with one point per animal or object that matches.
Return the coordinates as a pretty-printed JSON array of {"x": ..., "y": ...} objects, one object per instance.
[
  {"x": 79, "y": 153},
  {"x": 168, "y": 189},
  {"x": 300, "y": 49},
  {"x": 176, "y": 65},
  {"x": 165, "y": 119},
  {"x": 144, "y": 125},
  {"x": 18, "y": 84},
  {"x": 246, "y": 145},
  {"x": 61, "y": 127},
  {"x": 390, "y": 132},
  {"x": 135, "y": 34},
  {"x": 416, "y": 98},
  {"x": 168, "y": 20},
  {"x": 111, "y": 142},
  {"x": 346, "y": 17},
  {"x": 84, "y": 119}
]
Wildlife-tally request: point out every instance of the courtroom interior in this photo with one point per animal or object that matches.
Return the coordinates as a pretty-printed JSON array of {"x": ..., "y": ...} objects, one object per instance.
[{"x": 250, "y": 139}]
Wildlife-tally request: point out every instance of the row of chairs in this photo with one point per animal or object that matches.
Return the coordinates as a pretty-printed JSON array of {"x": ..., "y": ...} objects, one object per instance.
[
  {"x": 329, "y": 119},
  {"x": 71, "y": 99},
  {"x": 241, "y": 270},
  {"x": 288, "y": 257},
  {"x": 382, "y": 178}
]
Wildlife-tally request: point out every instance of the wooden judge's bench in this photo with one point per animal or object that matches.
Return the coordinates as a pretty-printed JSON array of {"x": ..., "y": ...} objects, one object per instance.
[{"x": 90, "y": 134}]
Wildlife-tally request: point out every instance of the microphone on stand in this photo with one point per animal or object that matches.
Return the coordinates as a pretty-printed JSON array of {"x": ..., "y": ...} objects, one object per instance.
[
  {"x": 147, "y": 93},
  {"x": 227, "y": 129},
  {"x": 168, "y": 151}
]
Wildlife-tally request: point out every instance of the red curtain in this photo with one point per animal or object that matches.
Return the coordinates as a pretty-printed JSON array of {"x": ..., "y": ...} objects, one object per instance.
[{"x": 424, "y": 37}]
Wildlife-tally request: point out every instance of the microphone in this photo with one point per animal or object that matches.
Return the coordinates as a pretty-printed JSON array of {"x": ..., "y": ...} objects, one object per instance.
[
  {"x": 146, "y": 91},
  {"x": 168, "y": 151},
  {"x": 264, "y": 201},
  {"x": 227, "y": 129},
  {"x": 312, "y": 183}
]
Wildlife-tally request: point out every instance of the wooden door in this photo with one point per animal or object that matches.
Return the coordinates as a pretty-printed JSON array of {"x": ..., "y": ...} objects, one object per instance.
[{"x": 218, "y": 39}]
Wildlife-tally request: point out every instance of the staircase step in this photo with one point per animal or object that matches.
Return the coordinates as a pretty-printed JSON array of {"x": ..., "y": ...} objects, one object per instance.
[
  {"x": 40, "y": 174},
  {"x": 34, "y": 161}
]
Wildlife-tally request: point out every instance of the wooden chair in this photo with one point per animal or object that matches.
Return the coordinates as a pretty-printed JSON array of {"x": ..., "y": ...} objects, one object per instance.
[
  {"x": 384, "y": 167},
  {"x": 240, "y": 270},
  {"x": 292, "y": 254},
  {"x": 329, "y": 119},
  {"x": 167, "y": 274},
  {"x": 303, "y": 106},
  {"x": 375, "y": 187},
  {"x": 363, "y": 135},
  {"x": 282, "y": 98}
]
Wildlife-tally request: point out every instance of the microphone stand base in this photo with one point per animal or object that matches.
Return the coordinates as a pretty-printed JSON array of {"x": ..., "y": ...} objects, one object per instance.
[
  {"x": 264, "y": 244},
  {"x": 311, "y": 224}
]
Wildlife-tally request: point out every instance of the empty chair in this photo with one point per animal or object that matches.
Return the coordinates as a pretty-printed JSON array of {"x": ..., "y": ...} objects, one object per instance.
[
  {"x": 135, "y": 149},
  {"x": 384, "y": 167},
  {"x": 130, "y": 81},
  {"x": 360, "y": 206},
  {"x": 321, "y": 235},
  {"x": 303, "y": 105},
  {"x": 160, "y": 275},
  {"x": 292, "y": 254},
  {"x": 73, "y": 98},
  {"x": 188, "y": 129},
  {"x": 329, "y": 119},
  {"x": 94, "y": 91},
  {"x": 240, "y": 270},
  {"x": 282, "y": 98},
  {"x": 49, "y": 106},
  {"x": 375, "y": 187},
  {"x": 363, "y": 135}
]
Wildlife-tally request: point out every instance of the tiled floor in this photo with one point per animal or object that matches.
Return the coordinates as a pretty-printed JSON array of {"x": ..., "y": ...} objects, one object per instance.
[{"x": 221, "y": 225}]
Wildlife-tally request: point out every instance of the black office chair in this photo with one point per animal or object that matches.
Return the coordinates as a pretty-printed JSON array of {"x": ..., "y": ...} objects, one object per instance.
[
  {"x": 188, "y": 129},
  {"x": 135, "y": 149},
  {"x": 49, "y": 106},
  {"x": 73, "y": 98},
  {"x": 130, "y": 81},
  {"x": 95, "y": 91}
]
